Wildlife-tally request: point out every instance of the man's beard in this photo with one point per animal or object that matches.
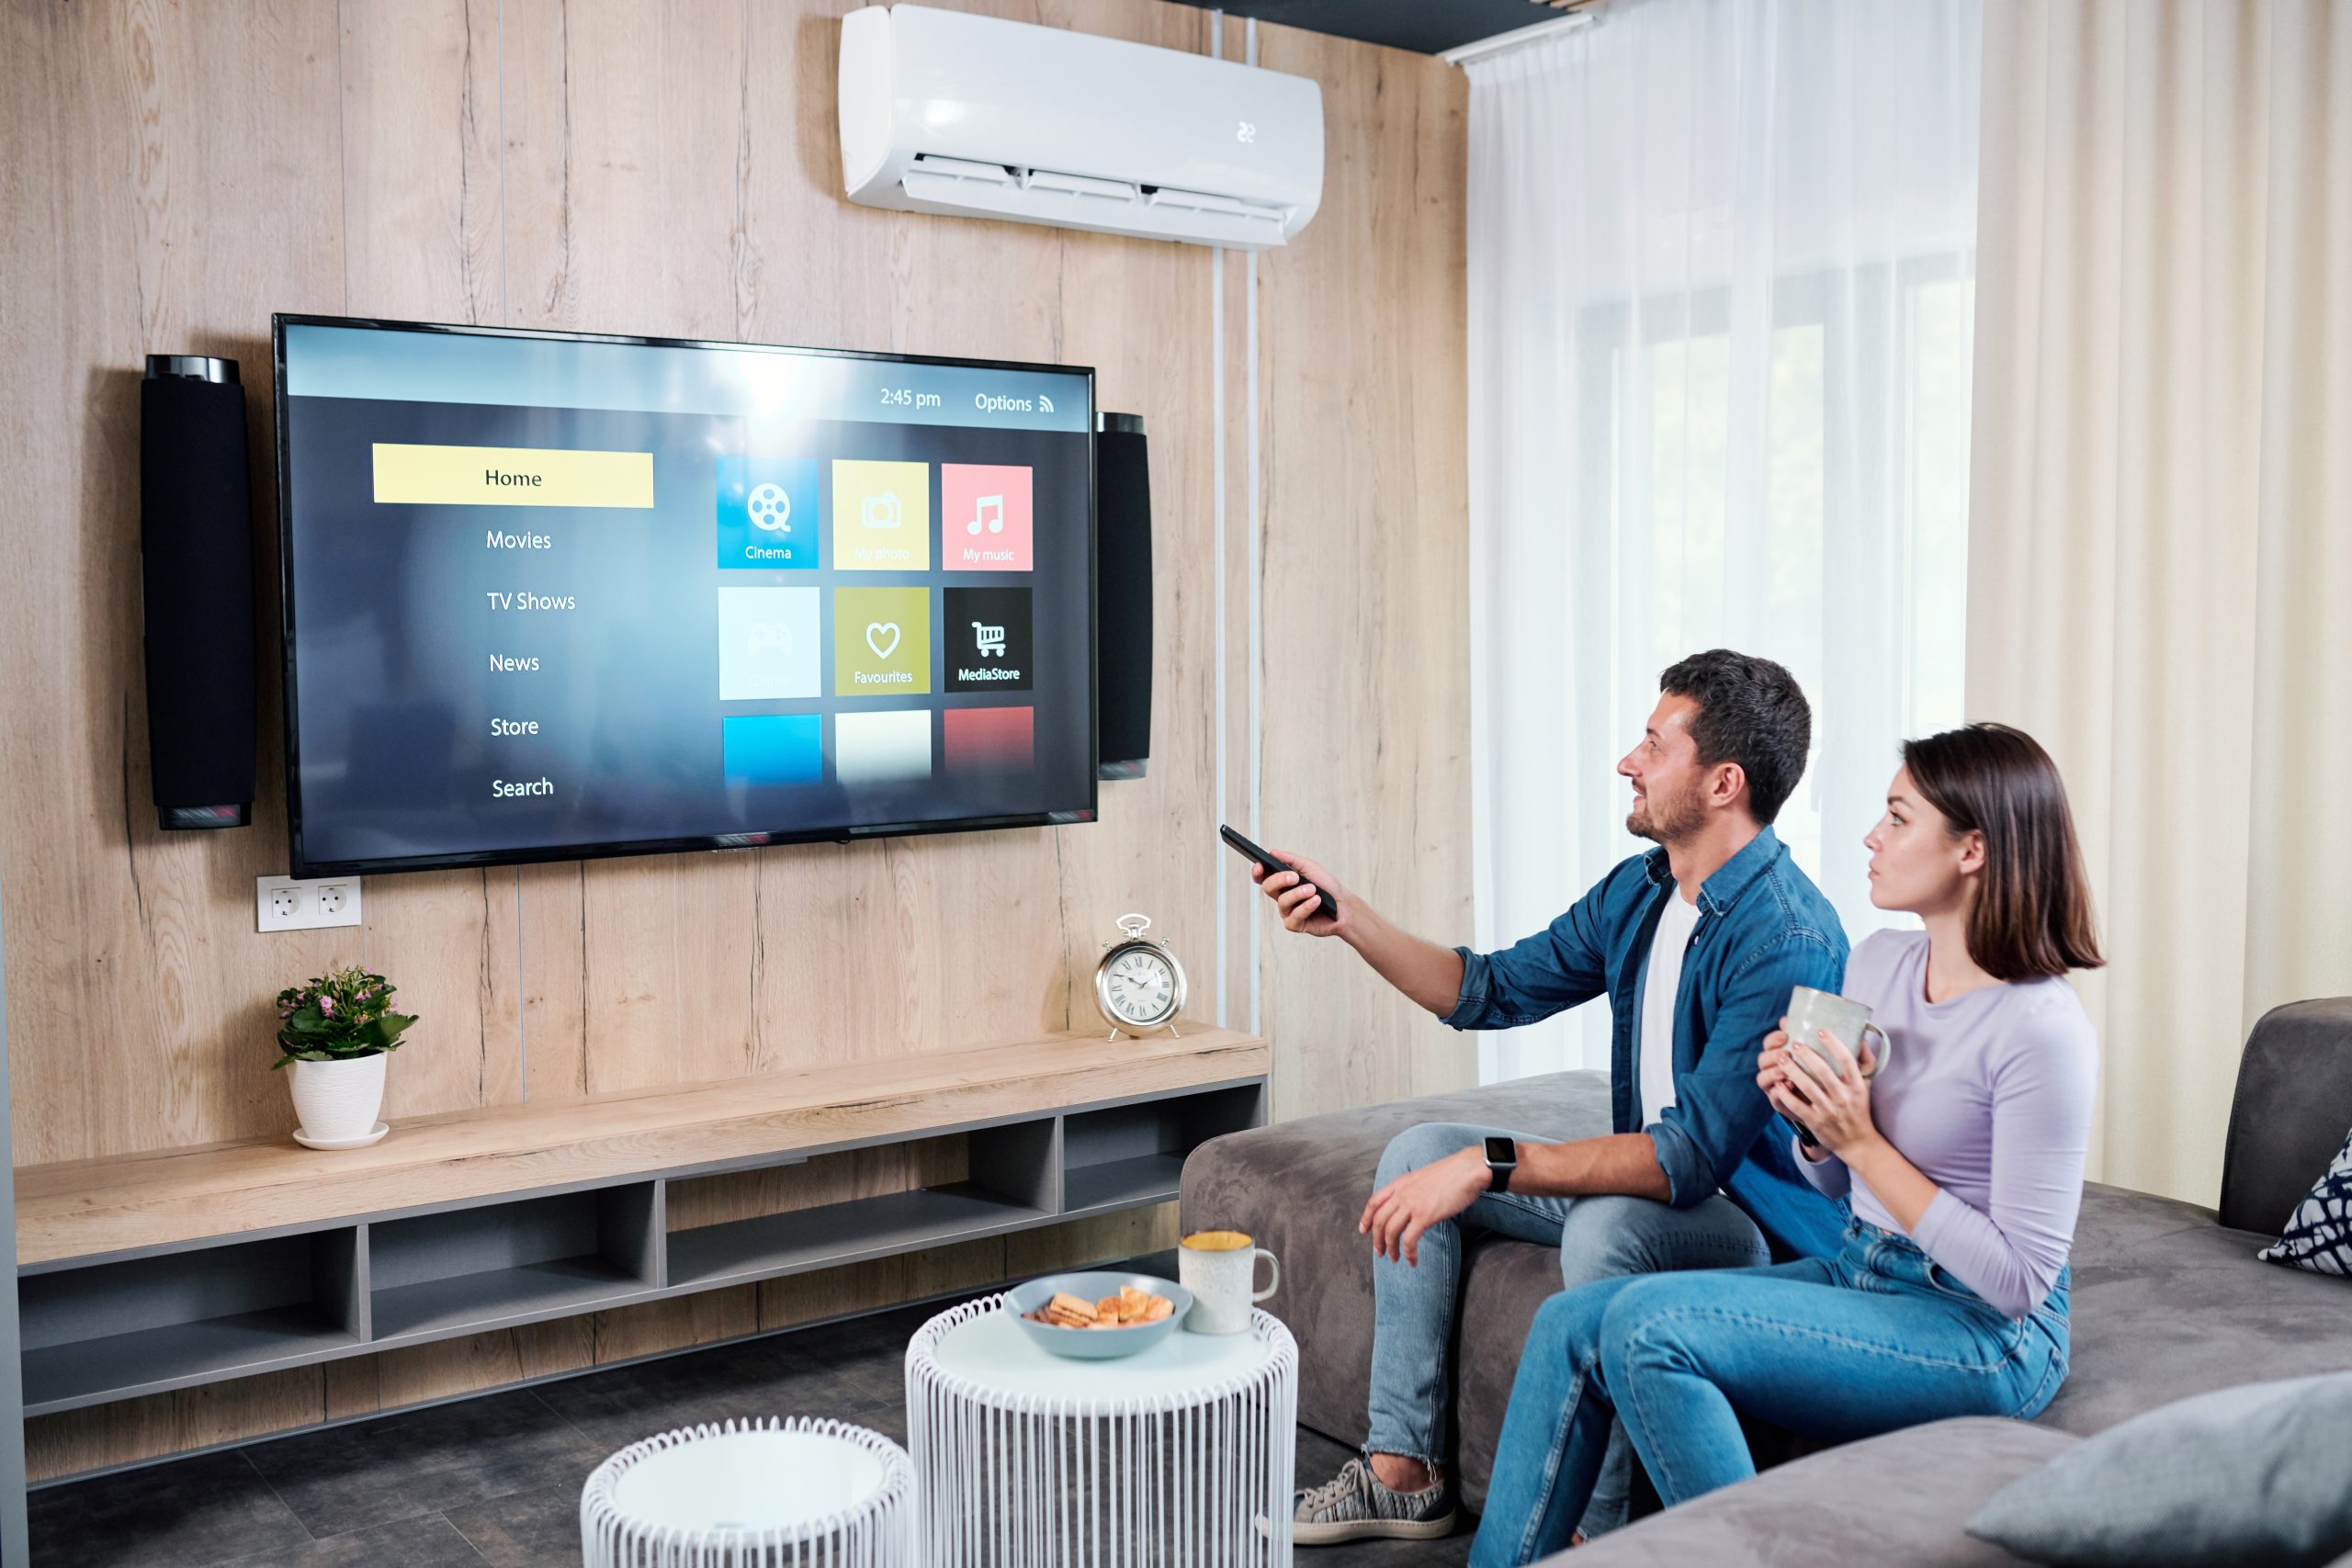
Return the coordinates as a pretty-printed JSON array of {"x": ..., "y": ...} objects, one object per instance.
[{"x": 1645, "y": 822}]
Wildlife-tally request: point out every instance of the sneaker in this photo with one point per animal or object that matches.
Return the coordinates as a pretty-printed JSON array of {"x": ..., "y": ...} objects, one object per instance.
[{"x": 1354, "y": 1505}]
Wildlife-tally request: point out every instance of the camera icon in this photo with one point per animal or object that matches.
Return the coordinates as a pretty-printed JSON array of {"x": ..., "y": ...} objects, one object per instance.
[{"x": 880, "y": 511}]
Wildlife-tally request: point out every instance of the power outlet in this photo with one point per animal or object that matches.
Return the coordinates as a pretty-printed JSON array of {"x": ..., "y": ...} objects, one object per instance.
[{"x": 282, "y": 904}]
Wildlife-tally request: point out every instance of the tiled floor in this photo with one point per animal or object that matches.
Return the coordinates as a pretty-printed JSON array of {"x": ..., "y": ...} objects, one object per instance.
[{"x": 496, "y": 1479}]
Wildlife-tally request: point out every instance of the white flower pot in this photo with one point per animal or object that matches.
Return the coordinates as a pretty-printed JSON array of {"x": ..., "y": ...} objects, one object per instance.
[{"x": 338, "y": 1099}]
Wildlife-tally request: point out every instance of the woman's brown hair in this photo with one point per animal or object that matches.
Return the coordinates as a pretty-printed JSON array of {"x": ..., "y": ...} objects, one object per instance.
[{"x": 2033, "y": 916}]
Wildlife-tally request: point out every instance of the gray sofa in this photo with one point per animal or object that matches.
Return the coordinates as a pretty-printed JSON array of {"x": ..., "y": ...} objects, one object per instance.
[{"x": 2168, "y": 1300}]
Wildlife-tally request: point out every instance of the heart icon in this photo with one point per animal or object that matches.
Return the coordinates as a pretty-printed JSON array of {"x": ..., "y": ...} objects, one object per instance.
[{"x": 883, "y": 646}]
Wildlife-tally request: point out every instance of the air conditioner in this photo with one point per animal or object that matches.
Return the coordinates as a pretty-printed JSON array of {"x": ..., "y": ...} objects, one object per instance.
[{"x": 977, "y": 118}]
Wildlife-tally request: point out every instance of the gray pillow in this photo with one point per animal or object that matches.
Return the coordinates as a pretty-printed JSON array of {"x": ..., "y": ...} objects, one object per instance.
[{"x": 2251, "y": 1474}]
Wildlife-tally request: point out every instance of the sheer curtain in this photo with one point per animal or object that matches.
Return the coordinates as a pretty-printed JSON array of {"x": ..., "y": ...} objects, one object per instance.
[{"x": 1721, "y": 289}]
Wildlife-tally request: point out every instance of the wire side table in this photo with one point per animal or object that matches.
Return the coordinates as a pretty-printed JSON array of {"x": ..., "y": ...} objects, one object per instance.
[
  {"x": 1180, "y": 1455},
  {"x": 768, "y": 1494}
]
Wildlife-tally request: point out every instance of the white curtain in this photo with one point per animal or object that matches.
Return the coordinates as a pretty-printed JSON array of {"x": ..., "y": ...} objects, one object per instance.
[
  {"x": 1722, "y": 286},
  {"x": 2162, "y": 550}
]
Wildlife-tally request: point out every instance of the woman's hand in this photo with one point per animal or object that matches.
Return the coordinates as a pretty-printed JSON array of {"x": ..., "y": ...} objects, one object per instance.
[
  {"x": 1400, "y": 1212},
  {"x": 1823, "y": 1090}
]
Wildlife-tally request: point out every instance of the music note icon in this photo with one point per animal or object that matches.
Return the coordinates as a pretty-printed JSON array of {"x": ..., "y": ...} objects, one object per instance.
[{"x": 989, "y": 509}]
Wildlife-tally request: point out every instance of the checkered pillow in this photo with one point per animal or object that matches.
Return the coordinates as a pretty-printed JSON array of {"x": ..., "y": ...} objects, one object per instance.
[{"x": 2319, "y": 1233}]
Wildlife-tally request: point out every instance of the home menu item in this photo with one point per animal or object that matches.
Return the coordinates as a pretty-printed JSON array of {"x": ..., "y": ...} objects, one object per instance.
[{"x": 550, "y": 596}]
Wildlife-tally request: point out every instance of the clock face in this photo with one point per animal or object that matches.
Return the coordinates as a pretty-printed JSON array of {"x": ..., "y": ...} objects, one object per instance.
[{"x": 1140, "y": 986}]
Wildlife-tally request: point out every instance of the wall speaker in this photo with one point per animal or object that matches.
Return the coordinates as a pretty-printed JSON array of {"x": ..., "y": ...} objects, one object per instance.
[
  {"x": 1122, "y": 596},
  {"x": 196, "y": 560}
]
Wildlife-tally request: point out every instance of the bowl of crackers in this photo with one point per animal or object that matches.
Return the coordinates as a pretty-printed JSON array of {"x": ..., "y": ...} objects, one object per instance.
[{"x": 1099, "y": 1315}]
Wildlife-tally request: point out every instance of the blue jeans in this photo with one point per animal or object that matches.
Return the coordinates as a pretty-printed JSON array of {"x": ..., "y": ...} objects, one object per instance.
[
  {"x": 1598, "y": 1238},
  {"x": 1876, "y": 1338}
]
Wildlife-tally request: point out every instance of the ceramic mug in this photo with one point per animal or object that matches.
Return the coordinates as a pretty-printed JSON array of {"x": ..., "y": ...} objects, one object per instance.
[
  {"x": 1219, "y": 1268},
  {"x": 1811, "y": 1011},
  {"x": 1850, "y": 1021}
]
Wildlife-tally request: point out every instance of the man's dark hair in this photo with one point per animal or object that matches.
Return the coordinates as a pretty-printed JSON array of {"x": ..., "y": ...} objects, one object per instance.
[{"x": 1752, "y": 712}]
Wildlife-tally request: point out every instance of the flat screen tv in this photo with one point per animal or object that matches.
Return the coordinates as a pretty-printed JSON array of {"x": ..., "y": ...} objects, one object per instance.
[{"x": 550, "y": 595}]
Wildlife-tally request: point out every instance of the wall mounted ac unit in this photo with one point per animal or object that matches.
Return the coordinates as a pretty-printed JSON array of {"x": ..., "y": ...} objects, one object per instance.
[{"x": 977, "y": 118}]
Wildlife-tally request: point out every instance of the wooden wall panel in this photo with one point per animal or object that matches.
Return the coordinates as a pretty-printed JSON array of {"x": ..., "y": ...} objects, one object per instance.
[
  {"x": 1365, "y": 651},
  {"x": 423, "y": 241},
  {"x": 168, "y": 186},
  {"x": 177, "y": 171}
]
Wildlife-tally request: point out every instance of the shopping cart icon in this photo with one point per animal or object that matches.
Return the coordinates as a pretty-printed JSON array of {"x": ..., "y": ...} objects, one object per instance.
[{"x": 991, "y": 639}]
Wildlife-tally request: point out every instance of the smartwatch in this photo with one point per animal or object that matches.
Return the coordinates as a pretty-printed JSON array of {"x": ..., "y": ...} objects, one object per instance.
[{"x": 1502, "y": 1159}]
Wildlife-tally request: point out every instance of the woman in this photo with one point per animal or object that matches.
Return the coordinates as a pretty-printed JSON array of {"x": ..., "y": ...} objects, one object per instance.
[{"x": 1963, "y": 1159}]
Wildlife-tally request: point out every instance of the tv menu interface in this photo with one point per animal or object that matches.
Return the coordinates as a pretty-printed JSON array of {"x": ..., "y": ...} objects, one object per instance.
[{"x": 553, "y": 595}]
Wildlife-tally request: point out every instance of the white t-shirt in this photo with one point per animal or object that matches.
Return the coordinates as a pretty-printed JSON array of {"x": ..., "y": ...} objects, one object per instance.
[{"x": 1675, "y": 924}]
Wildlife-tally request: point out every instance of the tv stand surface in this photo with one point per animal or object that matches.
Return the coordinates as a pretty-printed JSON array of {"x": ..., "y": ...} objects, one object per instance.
[{"x": 176, "y": 1268}]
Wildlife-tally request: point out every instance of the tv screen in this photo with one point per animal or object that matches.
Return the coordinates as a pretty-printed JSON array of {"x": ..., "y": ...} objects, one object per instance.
[{"x": 549, "y": 595}]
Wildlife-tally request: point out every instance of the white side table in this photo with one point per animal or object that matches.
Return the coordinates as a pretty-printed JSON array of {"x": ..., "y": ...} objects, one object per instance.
[
  {"x": 1024, "y": 1459},
  {"x": 772, "y": 1491}
]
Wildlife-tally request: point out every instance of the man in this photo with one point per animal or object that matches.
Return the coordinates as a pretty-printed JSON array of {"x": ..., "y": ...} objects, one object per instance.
[{"x": 1696, "y": 944}]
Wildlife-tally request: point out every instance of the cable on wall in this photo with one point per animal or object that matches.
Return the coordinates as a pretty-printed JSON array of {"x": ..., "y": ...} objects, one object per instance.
[
  {"x": 1217, "y": 427},
  {"x": 1256, "y": 624}
]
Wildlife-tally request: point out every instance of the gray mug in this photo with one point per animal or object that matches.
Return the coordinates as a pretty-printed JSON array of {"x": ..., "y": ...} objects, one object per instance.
[{"x": 1850, "y": 1021}]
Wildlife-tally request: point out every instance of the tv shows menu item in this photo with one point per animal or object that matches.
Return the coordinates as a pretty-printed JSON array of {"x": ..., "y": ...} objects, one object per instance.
[{"x": 550, "y": 596}]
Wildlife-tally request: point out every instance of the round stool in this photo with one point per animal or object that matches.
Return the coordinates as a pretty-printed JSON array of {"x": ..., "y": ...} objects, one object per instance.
[{"x": 771, "y": 1493}]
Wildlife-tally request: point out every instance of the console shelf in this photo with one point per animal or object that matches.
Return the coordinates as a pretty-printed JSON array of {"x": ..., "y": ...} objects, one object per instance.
[
  {"x": 843, "y": 1232},
  {"x": 1122, "y": 1156},
  {"x": 147, "y": 1324},
  {"x": 493, "y": 1265},
  {"x": 169, "y": 1270},
  {"x": 1123, "y": 1183},
  {"x": 93, "y": 1371},
  {"x": 500, "y": 1298}
]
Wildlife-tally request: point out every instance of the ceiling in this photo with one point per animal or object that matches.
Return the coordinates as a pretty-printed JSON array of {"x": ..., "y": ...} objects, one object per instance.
[{"x": 1426, "y": 26}]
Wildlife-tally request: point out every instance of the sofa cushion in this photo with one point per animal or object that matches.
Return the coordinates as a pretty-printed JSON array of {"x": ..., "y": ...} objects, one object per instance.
[
  {"x": 2115, "y": 1221},
  {"x": 2185, "y": 1312},
  {"x": 1899, "y": 1498},
  {"x": 1299, "y": 1186},
  {"x": 2318, "y": 1236},
  {"x": 2251, "y": 1474},
  {"x": 2292, "y": 1104}
]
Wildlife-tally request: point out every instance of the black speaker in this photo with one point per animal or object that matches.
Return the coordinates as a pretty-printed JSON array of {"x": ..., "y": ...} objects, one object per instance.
[
  {"x": 196, "y": 556},
  {"x": 1122, "y": 595}
]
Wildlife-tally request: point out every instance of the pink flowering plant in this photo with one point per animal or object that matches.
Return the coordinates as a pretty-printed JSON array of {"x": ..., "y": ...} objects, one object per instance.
[{"x": 341, "y": 1014}]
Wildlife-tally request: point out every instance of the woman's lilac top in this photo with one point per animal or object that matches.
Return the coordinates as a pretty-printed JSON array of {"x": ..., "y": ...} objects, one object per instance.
[{"x": 1989, "y": 1095}]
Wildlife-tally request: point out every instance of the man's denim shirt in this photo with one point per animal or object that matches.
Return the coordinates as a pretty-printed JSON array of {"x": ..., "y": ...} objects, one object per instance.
[{"x": 1763, "y": 928}]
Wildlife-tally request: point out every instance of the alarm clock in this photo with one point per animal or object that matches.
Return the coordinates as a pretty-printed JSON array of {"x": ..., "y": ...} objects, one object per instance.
[{"x": 1138, "y": 984}]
